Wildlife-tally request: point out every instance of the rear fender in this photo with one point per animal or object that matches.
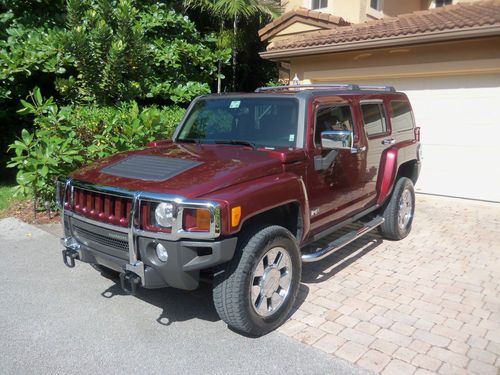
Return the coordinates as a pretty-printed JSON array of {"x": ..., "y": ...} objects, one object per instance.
[
  {"x": 391, "y": 160},
  {"x": 387, "y": 174}
]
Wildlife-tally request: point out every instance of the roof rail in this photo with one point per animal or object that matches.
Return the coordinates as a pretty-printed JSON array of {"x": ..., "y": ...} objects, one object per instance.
[
  {"x": 377, "y": 88},
  {"x": 332, "y": 86}
]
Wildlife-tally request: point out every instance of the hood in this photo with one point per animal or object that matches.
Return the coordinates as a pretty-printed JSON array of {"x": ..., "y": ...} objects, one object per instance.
[{"x": 190, "y": 170}]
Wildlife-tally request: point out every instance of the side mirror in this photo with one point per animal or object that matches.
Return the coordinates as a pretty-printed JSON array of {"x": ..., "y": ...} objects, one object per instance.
[{"x": 337, "y": 140}]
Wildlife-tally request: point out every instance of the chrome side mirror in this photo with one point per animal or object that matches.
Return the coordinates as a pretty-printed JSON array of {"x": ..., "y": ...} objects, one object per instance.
[{"x": 337, "y": 140}]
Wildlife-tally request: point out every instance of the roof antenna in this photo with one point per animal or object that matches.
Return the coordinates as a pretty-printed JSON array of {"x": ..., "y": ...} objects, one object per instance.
[{"x": 295, "y": 80}]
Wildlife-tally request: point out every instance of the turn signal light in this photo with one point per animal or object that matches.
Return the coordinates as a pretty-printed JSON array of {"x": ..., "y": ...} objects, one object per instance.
[
  {"x": 196, "y": 220},
  {"x": 235, "y": 216}
]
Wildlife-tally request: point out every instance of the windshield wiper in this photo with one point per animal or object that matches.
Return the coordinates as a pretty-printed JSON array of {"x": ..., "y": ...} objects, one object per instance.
[
  {"x": 236, "y": 142},
  {"x": 189, "y": 140}
]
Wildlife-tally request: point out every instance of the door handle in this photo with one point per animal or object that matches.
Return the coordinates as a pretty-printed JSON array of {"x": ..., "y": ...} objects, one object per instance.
[
  {"x": 357, "y": 150},
  {"x": 389, "y": 141}
]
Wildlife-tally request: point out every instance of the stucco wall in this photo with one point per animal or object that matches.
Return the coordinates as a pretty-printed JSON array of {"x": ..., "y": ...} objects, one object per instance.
[
  {"x": 350, "y": 10},
  {"x": 356, "y": 11},
  {"x": 460, "y": 57},
  {"x": 394, "y": 7}
]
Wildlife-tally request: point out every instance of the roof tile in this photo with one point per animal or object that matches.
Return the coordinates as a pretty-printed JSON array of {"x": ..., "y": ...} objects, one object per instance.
[
  {"x": 326, "y": 20},
  {"x": 453, "y": 17}
]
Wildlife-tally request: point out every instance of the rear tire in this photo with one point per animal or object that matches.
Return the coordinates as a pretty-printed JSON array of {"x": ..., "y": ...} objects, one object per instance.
[
  {"x": 398, "y": 211},
  {"x": 255, "y": 292}
]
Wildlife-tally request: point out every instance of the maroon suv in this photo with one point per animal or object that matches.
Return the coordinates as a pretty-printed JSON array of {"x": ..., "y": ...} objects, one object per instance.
[{"x": 247, "y": 184}]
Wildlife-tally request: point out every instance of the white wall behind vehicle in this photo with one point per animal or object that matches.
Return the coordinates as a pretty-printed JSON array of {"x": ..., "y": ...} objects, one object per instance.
[{"x": 459, "y": 118}]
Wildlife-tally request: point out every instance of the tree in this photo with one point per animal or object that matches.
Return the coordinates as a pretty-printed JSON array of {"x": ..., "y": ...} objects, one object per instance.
[
  {"x": 97, "y": 52},
  {"x": 137, "y": 50},
  {"x": 236, "y": 10}
]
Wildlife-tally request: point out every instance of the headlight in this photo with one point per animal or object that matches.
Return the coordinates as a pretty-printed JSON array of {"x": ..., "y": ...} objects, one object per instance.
[{"x": 164, "y": 215}]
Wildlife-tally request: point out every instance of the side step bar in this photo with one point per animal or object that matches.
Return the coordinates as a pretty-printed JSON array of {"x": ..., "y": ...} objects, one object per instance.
[{"x": 342, "y": 241}]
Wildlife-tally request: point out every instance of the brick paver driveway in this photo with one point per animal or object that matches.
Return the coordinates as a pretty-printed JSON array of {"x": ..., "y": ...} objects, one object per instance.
[{"x": 427, "y": 304}]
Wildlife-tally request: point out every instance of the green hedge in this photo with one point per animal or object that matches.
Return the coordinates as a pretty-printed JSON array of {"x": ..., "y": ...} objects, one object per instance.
[{"x": 65, "y": 138}]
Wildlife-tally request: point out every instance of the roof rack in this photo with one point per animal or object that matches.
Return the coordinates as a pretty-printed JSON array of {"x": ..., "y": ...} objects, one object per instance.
[{"x": 333, "y": 86}]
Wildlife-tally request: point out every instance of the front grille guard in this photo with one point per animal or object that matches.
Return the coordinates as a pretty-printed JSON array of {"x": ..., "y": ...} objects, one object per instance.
[{"x": 134, "y": 230}]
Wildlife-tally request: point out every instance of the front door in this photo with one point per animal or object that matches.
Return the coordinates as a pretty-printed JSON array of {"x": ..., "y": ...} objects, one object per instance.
[{"x": 335, "y": 179}]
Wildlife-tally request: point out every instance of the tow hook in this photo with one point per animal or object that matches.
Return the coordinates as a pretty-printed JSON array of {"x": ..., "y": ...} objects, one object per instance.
[
  {"x": 129, "y": 282},
  {"x": 69, "y": 257}
]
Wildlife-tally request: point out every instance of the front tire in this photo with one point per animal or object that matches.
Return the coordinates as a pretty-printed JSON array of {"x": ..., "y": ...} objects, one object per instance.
[
  {"x": 255, "y": 292},
  {"x": 398, "y": 211}
]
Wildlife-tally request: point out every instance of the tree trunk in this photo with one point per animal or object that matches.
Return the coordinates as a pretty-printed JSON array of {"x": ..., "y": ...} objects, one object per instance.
[
  {"x": 219, "y": 63},
  {"x": 235, "y": 30},
  {"x": 219, "y": 83}
]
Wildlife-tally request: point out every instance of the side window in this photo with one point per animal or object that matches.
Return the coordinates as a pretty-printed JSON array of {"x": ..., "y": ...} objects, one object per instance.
[
  {"x": 374, "y": 118},
  {"x": 318, "y": 4},
  {"x": 332, "y": 118},
  {"x": 401, "y": 116}
]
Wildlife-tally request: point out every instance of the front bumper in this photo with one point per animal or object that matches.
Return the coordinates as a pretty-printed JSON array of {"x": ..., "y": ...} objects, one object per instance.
[
  {"x": 93, "y": 243},
  {"x": 130, "y": 249}
]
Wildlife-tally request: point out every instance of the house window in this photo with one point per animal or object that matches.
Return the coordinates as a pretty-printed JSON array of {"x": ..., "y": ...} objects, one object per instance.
[
  {"x": 318, "y": 4},
  {"x": 376, "y": 4},
  {"x": 442, "y": 3},
  {"x": 374, "y": 119}
]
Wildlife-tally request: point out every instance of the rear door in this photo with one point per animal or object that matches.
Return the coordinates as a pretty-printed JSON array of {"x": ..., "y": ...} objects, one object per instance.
[{"x": 373, "y": 115}]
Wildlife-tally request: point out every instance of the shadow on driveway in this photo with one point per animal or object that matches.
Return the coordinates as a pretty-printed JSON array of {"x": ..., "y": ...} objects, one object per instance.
[
  {"x": 327, "y": 268},
  {"x": 176, "y": 305}
]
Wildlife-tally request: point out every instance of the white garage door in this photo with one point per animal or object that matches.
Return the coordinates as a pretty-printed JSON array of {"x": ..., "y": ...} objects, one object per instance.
[{"x": 460, "y": 132}]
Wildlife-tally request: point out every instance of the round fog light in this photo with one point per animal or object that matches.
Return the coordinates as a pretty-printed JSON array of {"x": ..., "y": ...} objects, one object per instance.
[{"x": 161, "y": 252}]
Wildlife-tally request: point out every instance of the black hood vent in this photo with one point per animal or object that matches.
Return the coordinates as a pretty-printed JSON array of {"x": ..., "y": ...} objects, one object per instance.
[{"x": 149, "y": 168}]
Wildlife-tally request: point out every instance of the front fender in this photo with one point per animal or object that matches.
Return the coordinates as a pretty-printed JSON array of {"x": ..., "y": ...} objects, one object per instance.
[{"x": 260, "y": 195}]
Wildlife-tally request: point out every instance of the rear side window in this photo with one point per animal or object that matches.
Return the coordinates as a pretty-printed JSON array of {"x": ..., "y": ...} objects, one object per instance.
[
  {"x": 374, "y": 118},
  {"x": 402, "y": 118}
]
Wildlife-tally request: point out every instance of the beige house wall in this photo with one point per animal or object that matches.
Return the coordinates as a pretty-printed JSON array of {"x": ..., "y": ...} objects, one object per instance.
[
  {"x": 393, "y": 8},
  {"x": 432, "y": 3},
  {"x": 357, "y": 11},
  {"x": 451, "y": 58}
]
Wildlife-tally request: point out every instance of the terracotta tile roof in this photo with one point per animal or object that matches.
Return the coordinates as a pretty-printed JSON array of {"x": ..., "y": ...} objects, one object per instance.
[
  {"x": 312, "y": 17},
  {"x": 460, "y": 17}
]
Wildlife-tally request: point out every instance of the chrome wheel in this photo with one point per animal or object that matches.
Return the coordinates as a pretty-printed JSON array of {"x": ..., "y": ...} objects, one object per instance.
[
  {"x": 405, "y": 212},
  {"x": 271, "y": 281}
]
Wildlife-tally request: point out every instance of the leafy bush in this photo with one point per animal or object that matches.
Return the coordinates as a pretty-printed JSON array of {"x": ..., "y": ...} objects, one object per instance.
[
  {"x": 128, "y": 49},
  {"x": 68, "y": 137}
]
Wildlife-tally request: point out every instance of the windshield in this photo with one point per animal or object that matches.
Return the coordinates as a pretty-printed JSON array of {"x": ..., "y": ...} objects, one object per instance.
[{"x": 257, "y": 122}]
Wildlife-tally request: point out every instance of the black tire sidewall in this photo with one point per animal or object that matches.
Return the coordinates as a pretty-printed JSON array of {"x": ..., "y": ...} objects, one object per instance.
[
  {"x": 284, "y": 241},
  {"x": 403, "y": 184}
]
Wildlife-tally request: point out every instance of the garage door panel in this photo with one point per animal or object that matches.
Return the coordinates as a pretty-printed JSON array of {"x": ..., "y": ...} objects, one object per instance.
[
  {"x": 460, "y": 133},
  {"x": 464, "y": 119},
  {"x": 466, "y": 172}
]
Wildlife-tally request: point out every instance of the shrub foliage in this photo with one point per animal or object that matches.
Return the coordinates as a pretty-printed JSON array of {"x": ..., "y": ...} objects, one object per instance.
[{"x": 70, "y": 136}]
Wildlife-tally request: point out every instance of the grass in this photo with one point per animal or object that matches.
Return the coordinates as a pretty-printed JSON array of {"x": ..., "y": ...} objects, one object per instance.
[
  {"x": 22, "y": 208},
  {"x": 6, "y": 196}
]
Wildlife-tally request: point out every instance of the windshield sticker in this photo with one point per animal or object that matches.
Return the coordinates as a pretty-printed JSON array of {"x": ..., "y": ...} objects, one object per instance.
[
  {"x": 235, "y": 104},
  {"x": 291, "y": 138}
]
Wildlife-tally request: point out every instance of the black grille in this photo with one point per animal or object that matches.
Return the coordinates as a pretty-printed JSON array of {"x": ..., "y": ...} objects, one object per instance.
[
  {"x": 150, "y": 168},
  {"x": 104, "y": 240}
]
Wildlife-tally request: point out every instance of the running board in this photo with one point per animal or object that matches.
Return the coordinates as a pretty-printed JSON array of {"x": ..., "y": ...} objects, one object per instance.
[{"x": 342, "y": 241}]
